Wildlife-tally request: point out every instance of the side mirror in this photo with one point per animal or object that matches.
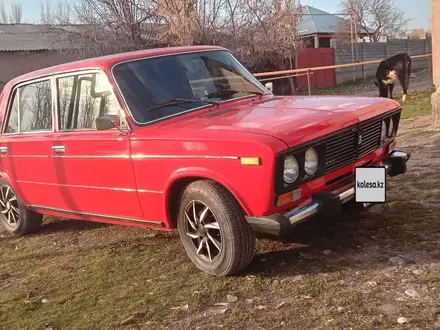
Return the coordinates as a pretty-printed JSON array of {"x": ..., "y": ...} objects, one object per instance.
[
  {"x": 269, "y": 86},
  {"x": 107, "y": 122}
]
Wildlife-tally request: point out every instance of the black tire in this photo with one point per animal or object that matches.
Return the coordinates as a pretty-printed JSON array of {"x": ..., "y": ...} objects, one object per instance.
[
  {"x": 26, "y": 221},
  {"x": 237, "y": 237}
]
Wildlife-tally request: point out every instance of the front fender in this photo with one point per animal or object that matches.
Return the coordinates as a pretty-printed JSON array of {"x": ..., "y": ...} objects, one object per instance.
[{"x": 201, "y": 172}]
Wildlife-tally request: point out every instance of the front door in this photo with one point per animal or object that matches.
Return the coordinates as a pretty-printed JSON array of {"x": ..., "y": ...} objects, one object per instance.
[{"x": 93, "y": 169}]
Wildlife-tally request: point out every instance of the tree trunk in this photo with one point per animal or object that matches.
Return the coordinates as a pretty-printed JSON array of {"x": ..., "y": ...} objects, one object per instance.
[{"x": 292, "y": 85}]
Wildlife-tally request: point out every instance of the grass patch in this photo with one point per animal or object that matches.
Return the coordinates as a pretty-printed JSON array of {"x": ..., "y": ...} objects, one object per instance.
[
  {"x": 417, "y": 104},
  {"x": 347, "y": 88},
  {"x": 359, "y": 86}
]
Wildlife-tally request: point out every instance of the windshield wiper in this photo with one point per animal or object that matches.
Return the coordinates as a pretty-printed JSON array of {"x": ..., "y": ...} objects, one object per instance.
[
  {"x": 226, "y": 92},
  {"x": 178, "y": 101}
]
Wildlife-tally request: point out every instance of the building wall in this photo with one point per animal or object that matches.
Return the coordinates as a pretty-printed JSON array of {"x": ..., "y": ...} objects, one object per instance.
[
  {"x": 370, "y": 51},
  {"x": 13, "y": 64},
  {"x": 435, "y": 12}
]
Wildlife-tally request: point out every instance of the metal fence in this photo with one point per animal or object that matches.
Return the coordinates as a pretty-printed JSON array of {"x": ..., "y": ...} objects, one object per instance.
[{"x": 278, "y": 75}]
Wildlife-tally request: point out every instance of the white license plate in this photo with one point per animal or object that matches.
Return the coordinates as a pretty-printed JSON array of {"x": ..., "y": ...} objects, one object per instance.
[{"x": 370, "y": 185}]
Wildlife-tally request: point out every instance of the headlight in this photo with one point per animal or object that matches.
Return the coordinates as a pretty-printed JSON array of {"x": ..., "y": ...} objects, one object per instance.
[
  {"x": 390, "y": 128},
  {"x": 291, "y": 169},
  {"x": 311, "y": 161},
  {"x": 383, "y": 134}
]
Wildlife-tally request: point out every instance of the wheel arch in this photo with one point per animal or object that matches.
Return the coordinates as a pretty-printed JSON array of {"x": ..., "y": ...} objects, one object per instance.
[
  {"x": 181, "y": 179},
  {"x": 6, "y": 177}
]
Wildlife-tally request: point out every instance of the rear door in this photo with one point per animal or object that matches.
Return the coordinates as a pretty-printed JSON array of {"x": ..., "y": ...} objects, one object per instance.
[
  {"x": 25, "y": 145},
  {"x": 93, "y": 169}
]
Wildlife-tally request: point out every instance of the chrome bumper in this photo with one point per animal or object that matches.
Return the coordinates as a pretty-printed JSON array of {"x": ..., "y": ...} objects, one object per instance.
[
  {"x": 331, "y": 201},
  {"x": 313, "y": 208}
]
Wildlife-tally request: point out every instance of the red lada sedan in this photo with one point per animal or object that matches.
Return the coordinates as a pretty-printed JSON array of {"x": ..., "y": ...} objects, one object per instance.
[{"x": 183, "y": 138}]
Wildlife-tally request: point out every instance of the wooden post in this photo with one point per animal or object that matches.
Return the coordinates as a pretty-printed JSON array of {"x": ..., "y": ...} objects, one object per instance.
[
  {"x": 308, "y": 83},
  {"x": 362, "y": 56},
  {"x": 435, "y": 99},
  {"x": 352, "y": 47},
  {"x": 316, "y": 41}
]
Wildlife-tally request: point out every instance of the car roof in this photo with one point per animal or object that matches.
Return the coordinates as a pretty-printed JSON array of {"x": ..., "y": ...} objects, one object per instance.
[{"x": 106, "y": 62}]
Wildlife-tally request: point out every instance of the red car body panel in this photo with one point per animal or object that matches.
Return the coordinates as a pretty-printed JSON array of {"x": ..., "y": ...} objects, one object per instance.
[{"x": 133, "y": 176}]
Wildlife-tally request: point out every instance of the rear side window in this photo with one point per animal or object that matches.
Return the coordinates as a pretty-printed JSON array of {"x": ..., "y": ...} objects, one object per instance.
[
  {"x": 12, "y": 126},
  {"x": 31, "y": 108},
  {"x": 82, "y": 99},
  {"x": 35, "y": 107}
]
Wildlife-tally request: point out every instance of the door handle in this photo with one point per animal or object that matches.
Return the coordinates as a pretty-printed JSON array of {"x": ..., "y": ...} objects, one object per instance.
[
  {"x": 58, "y": 149},
  {"x": 3, "y": 150}
]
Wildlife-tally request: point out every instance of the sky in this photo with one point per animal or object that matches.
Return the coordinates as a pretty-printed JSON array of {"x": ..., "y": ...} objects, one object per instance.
[{"x": 419, "y": 11}]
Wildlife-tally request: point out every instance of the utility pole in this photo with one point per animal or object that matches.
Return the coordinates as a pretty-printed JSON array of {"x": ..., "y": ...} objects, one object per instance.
[{"x": 435, "y": 57}]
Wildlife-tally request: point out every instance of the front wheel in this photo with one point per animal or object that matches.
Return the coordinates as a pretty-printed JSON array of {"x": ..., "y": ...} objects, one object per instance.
[
  {"x": 213, "y": 230},
  {"x": 14, "y": 216}
]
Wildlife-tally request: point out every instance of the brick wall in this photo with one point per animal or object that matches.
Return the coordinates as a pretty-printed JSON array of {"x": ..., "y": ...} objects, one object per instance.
[{"x": 370, "y": 51}]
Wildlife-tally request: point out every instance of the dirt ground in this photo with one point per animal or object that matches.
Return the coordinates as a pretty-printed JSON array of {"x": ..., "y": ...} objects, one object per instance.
[{"x": 367, "y": 271}]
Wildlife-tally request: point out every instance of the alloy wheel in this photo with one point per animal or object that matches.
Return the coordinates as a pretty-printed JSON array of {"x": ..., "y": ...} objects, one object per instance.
[
  {"x": 9, "y": 206},
  {"x": 204, "y": 230}
]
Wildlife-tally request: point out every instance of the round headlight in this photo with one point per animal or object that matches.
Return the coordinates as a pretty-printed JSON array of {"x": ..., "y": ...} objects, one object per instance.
[
  {"x": 311, "y": 161},
  {"x": 383, "y": 133},
  {"x": 390, "y": 128},
  {"x": 291, "y": 169}
]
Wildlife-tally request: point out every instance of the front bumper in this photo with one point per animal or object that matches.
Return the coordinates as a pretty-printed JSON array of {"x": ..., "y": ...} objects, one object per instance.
[{"x": 329, "y": 202}]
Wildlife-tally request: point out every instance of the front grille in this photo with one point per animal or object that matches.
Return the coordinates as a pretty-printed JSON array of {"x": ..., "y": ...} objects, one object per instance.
[
  {"x": 351, "y": 144},
  {"x": 340, "y": 149},
  {"x": 370, "y": 133}
]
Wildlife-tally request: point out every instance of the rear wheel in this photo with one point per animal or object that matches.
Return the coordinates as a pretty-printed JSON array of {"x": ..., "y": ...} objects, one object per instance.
[
  {"x": 213, "y": 230},
  {"x": 14, "y": 216}
]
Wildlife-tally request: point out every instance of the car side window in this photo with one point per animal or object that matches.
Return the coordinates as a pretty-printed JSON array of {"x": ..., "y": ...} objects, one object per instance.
[
  {"x": 35, "y": 107},
  {"x": 31, "y": 108},
  {"x": 12, "y": 126},
  {"x": 82, "y": 99}
]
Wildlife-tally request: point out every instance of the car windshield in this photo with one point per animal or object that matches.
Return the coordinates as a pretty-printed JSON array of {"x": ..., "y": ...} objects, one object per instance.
[{"x": 160, "y": 87}]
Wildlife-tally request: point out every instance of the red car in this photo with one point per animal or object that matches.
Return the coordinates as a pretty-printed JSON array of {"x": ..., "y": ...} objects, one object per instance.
[{"x": 183, "y": 137}]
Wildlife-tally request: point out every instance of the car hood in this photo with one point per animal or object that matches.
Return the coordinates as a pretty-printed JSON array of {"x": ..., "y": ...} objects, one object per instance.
[{"x": 293, "y": 119}]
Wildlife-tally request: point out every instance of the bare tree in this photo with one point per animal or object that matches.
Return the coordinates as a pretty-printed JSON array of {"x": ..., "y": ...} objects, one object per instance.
[
  {"x": 60, "y": 14},
  {"x": 104, "y": 26},
  {"x": 191, "y": 21},
  {"x": 16, "y": 13},
  {"x": 380, "y": 17},
  {"x": 417, "y": 34},
  {"x": 4, "y": 17},
  {"x": 272, "y": 31}
]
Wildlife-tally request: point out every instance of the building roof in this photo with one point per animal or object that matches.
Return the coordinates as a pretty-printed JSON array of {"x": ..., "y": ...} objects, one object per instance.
[
  {"x": 35, "y": 37},
  {"x": 314, "y": 21},
  {"x": 106, "y": 62},
  {"x": 32, "y": 37}
]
